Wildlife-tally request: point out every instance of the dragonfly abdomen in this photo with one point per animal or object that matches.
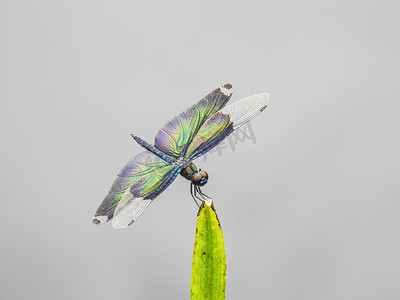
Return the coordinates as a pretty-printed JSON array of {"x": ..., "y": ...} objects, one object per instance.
[{"x": 154, "y": 150}]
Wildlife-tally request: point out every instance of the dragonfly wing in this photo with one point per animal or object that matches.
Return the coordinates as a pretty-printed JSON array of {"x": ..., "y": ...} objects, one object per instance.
[
  {"x": 224, "y": 122},
  {"x": 129, "y": 209},
  {"x": 144, "y": 176},
  {"x": 246, "y": 109},
  {"x": 131, "y": 206},
  {"x": 175, "y": 136}
]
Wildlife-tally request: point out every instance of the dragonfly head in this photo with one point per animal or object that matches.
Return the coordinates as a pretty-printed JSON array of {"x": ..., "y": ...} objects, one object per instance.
[{"x": 200, "y": 178}]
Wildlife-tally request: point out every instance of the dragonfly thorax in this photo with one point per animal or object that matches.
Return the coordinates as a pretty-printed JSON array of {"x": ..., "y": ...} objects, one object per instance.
[{"x": 191, "y": 173}]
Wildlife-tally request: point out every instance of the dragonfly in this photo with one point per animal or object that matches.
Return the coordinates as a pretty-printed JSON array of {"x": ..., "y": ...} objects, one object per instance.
[{"x": 181, "y": 140}]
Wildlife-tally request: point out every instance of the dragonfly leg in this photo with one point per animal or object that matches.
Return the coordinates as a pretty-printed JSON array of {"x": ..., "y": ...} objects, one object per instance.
[
  {"x": 198, "y": 191},
  {"x": 202, "y": 194},
  {"x": 193, "y": 193}
]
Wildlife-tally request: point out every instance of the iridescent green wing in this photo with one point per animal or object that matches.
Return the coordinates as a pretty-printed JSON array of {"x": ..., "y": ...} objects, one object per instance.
[
  {"x": 144, "y": 177},
  {"x": 176, "y": 135},
  {"x": 224, "y": 122}
]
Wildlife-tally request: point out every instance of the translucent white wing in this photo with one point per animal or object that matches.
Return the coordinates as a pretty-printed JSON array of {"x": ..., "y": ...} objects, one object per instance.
[
  {"x": 246, "y": 109},
  {"x": 128, "y": 210}
]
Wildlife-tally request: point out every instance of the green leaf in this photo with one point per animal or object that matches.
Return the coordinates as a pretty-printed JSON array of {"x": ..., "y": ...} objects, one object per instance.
[{"x": 209, "y": 260}]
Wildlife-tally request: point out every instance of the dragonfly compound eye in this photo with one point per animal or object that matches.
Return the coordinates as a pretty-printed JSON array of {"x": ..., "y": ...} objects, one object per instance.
[
  {"x": 204, "y": 174},
  {"x": 199, "y": 179},
  {"x": 204, "y": 178},
  {"x": 203, "y": 181}
]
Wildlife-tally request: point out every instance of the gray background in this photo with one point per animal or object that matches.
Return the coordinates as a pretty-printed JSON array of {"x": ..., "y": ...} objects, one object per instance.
[{"x": 311, "y": 211}]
